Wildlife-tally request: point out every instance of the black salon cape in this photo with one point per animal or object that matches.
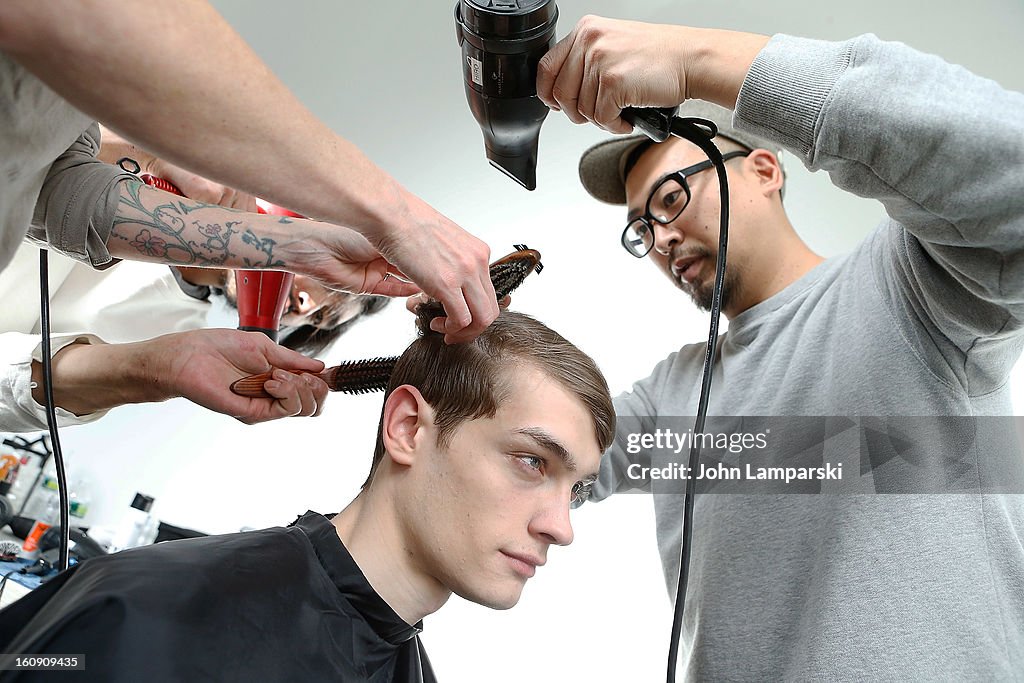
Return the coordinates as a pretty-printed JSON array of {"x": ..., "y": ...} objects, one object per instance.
[{"x": 281, "y": 604}]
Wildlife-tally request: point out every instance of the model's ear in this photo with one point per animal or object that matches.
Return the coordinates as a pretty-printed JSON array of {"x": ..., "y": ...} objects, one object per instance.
[
  {"x": 768, "y": 170},
  {"x": 408, "y": 424}
]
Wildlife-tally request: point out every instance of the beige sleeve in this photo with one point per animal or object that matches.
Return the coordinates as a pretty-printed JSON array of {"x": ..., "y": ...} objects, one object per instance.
[{"x": 76, "y": 207}]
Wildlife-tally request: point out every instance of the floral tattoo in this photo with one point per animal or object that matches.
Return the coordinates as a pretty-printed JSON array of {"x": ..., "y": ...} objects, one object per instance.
[{"x": 166, "y": 231}]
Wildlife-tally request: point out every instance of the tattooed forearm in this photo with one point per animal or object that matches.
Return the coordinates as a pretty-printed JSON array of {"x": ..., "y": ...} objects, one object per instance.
[
  {"x": 266, "y": 246},
  {"x": 158, "y": 226}
]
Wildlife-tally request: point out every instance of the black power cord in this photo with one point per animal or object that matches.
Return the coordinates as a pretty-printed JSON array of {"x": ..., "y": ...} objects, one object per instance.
[
  {"x": 659, "y": 124},
  {"x": 51, "y": 412},
  {"x": 699, "y": 132}
]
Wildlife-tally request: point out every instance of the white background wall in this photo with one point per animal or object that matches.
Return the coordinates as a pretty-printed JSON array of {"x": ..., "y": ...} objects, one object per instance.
[{"x": 388, "y": 77}]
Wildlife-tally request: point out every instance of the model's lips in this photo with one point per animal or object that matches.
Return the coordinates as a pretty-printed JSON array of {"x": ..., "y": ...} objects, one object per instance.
[
  {"x": 687, "y": 268},
  {"x": 526, "y": 565}
]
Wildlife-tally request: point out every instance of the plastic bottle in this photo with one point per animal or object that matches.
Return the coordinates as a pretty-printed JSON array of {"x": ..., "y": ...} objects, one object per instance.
[
  {"x": 79, "y": 498},
  {"x": 27, "y": 470},
  {"x": 48, "y": 518},
  {"x": 40, "y": 498},
  {"x": 9, "y": 465},
  {"x": 137, "y": 526}
]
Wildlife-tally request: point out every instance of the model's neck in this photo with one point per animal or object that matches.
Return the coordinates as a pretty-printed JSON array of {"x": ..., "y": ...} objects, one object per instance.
[{"x": 370, "y": 531}]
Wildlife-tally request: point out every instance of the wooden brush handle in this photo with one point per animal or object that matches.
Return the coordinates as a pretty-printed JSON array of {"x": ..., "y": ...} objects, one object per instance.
[{"x": 252, "y": 386}]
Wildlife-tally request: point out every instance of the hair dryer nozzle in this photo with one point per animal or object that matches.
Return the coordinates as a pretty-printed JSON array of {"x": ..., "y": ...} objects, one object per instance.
[
  {"x": 262, "y": 298},
  {"x": 523, "y": 171},
  {"x": 511, "y": 130}
]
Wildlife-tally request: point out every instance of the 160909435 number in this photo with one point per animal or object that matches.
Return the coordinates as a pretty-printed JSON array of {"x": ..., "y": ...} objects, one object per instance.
[{"x": 19, "y": 662}]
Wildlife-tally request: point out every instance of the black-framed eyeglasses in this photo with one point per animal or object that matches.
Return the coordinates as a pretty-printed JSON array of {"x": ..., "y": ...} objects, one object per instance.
[{"x": 665, "y": 203}]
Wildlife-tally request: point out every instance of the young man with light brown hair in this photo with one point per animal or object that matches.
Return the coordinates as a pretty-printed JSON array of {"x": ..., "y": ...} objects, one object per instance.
[{"x": 482, "y": 448}]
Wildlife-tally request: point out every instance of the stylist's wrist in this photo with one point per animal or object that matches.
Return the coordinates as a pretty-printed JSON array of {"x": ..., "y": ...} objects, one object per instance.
[
  {"x": 716, "y": 63},
  {"x": 157, "y": 366},
  {"x": 389, "y": 216},
  {"x": 299, "y": 244}
]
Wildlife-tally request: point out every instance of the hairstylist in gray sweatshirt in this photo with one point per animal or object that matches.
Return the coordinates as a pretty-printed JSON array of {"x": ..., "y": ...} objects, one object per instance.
[{"x": 911, "y": 566}]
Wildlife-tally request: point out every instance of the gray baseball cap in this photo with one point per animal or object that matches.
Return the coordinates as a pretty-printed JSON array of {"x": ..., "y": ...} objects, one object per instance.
[{"x": 603, "y": 166}]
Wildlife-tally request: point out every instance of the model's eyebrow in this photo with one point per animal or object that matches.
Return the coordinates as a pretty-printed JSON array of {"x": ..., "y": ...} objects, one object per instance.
[{"x": 550, "y": 444}]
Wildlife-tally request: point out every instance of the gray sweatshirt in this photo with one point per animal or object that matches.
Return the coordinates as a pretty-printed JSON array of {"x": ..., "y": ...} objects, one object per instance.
[{"x": 877, "y": 580}]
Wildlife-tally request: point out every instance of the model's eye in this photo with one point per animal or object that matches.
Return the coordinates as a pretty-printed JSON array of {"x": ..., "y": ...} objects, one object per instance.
[{"x": 531, "y": 461}]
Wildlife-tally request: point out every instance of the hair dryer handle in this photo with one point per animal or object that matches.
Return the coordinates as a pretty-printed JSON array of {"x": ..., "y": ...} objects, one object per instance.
[{"x": 654, "y": 123}]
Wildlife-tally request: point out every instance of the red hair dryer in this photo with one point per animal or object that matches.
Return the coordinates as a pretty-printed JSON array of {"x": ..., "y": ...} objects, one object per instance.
[
  {"x": 262, "y": 294},
  {"x": 262, "y": 298}
]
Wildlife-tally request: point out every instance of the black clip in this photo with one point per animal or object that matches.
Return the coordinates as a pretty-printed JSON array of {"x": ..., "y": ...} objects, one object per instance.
[
  {"x": 654, "y": 123},
  {"x": 522, "y": 247},
  {"x": 690, "y": 126}
]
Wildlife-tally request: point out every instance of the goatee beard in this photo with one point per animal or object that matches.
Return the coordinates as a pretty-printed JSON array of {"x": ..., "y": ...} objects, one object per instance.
[
  {"x": 702, "y": 293},
  {"x": 703, "y": 296}
]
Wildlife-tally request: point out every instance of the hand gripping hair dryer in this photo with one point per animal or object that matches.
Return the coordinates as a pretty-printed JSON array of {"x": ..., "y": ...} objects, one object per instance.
[{"x": 502, "y": 44}]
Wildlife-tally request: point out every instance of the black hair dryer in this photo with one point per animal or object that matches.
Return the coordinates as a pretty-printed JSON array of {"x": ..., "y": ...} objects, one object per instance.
[{"x": 502, "y": 42}]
